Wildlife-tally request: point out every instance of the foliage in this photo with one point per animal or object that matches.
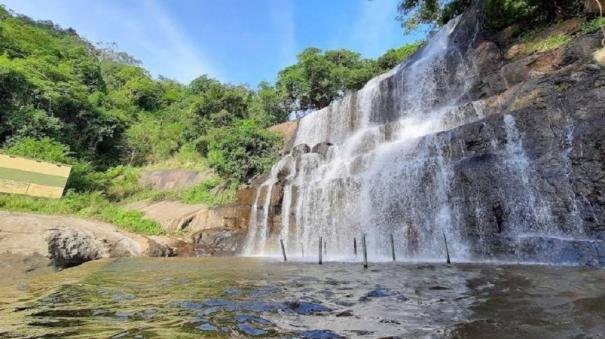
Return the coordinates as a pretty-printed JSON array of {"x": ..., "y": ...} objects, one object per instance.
[
  {"x": 42, "y": 149},
  {"x": 593, "y": 25},
  {"x": 92, "y": 205},
  {"x": 533, "y": 45},
  {"x": 65, "y": 100},
  {"x": 211, "y": 192},
  {"x": 319, "y": 77},
  {"x": 395, "y": 56},
  {"x": 500, "y": 13},
  {"x": 242, "y": 150}
]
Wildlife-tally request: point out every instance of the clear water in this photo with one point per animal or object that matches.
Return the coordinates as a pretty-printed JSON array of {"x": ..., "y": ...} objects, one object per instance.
[{"x": 193, "y": 297}]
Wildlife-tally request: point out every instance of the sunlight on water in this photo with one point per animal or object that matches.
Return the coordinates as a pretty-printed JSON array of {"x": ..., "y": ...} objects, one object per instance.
[{"x": 188, "y": 298}]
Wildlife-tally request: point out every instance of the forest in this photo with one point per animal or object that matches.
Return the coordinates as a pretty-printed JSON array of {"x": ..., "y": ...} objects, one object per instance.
[{"x": 65, "y": 100}]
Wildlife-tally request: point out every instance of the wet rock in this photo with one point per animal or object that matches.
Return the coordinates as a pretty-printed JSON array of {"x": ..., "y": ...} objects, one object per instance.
[
  {"x": 346, "y": 313},
  {"x": 218, "y": 241},
  {"x": 438, "y": 288},
  {"x": 300, "y": 149},
  {"x": 322, "y": 149},
  {"x": 70, "y": 247}
]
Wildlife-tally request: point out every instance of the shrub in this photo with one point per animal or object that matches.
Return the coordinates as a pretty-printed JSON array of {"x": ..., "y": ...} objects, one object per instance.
[
  {"x": 45, "y": 149},
  {"x": 243, "y": 150},
  {"x": 203, "y": 193}
]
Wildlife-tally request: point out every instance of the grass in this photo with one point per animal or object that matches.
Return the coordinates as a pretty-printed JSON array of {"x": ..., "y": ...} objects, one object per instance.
[
  {"x": 535, "y": 45},
  {"x": 90, "y": 205},
  {"x": 593, "y": 25},
  {"x": 122, "y": 186}
]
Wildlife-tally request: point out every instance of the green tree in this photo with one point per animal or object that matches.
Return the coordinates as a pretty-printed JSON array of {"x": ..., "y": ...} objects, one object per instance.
[
  {"x": 500, "y": 13},
  {"x": 395, "y": 56},
  {"x": 242, "y": 150}
]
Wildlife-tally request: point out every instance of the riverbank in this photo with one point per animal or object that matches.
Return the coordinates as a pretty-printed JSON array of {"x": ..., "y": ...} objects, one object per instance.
[{"x": 33, "y": 242}]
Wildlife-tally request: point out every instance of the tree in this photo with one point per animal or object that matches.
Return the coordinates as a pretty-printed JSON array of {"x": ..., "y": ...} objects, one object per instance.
[
  {"x": 500, "y": 13},
  {"x": 395, "y": 56},
  {"x": 319, "y": 78},
  {"x": 242, "y": 150}
]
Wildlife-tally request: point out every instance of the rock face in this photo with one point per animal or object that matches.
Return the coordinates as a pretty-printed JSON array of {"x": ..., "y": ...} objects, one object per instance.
[
  {"x": 501, "y": 153},
  {"x": 172, "y": 178},
  {"x": 287, "y": 130},
  {"x": 218, "y": 241},
  {"x": 68, "y": 241}
]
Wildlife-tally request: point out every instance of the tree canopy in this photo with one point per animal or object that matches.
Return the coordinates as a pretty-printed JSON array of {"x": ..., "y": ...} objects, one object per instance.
[
  {"x": 500, "y": 13},
  {"x": 319, "y": 77},
  {"x": 60, "y": 93}
]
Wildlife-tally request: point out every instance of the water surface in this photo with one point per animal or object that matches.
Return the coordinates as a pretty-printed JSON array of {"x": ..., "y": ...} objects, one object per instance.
[{"x": 193, "y": 297}]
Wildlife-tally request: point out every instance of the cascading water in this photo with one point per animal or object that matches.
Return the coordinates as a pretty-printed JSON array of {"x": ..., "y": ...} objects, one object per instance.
[{"x": 378, "y": 163}]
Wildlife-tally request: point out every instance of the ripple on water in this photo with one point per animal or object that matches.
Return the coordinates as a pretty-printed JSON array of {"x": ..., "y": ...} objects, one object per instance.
[{"x": 233, "y": 297}]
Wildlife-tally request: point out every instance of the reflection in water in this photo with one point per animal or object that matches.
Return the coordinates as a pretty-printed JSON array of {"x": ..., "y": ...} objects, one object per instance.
[{"x": 181, "y": 297}]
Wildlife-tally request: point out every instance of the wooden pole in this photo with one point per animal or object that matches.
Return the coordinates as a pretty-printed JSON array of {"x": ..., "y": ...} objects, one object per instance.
[
  {"x": 320, "y": 250},
  {"x": 326, "y": 248},
  {"x": 447, "y": 250},
  {"x": 365, "y": 252},
  {"x": 283, "y": 249},
  {"x": 355, "y": 246},
  {"x": 302, "y": 250},
  {"x": 393, "y": 247}
]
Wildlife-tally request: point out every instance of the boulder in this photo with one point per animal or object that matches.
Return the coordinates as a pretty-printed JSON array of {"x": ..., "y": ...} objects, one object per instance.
[
  {"x": 69, "y": 241},
  {"x": 218, "y": 241},
  {"x": 69, "y": 247},
  {"x": 300, "y": 149},
  {"x": 321, "y": 149}
]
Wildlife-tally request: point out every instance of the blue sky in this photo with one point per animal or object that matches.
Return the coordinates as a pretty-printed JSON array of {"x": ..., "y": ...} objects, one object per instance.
[{"x": 237, "y": 41}]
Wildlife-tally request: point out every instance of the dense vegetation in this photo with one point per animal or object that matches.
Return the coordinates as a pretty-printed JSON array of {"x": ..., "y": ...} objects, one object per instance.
[
  {"x": 500, "y": 13},
  {"x": 64, "y": 100}
]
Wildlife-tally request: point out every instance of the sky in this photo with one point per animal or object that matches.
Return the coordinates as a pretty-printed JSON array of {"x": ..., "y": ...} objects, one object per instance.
[{"x": 235, "y": 41}]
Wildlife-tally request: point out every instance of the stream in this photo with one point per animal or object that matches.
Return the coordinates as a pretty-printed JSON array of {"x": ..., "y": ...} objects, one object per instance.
[{"x": 193, "y": 297}]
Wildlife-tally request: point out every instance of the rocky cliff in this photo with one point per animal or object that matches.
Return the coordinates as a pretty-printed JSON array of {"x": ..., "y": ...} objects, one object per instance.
[{"x": 501, "y": 151}]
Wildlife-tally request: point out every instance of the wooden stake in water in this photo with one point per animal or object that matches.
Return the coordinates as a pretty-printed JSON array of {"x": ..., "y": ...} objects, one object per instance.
[
  {"x": 283, "y": 249},
  {"x": 326, "y": 248},
  {"x": 355, "y": 246},
  {"x": 320, "y": 250},
  {"x": 393, "y": 247},
  {"x": 365, "y": 252},
  {"x": 447, "y": 250}
]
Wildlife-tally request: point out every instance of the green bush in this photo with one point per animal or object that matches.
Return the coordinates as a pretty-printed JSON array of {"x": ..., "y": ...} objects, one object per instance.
[
  {"x": 395, "y": 56},
  {"x": 203, "y": 193},
  {"x": 593, "y": 25},
  {"x": 243, "y": 150},
  {"x": 45, "y": 149}
]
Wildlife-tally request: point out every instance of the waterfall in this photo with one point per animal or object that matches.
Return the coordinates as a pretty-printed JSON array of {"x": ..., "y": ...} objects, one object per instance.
[{"x": 379, "y": 162}]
